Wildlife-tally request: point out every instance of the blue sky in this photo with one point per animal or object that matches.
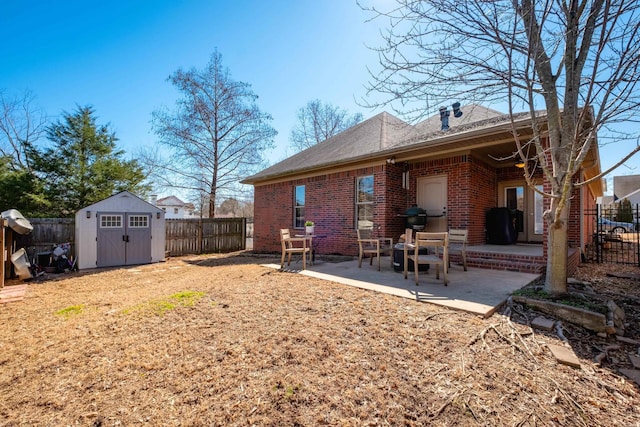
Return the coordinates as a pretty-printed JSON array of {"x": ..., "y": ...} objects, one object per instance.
[{"x": 116, "y": 55}]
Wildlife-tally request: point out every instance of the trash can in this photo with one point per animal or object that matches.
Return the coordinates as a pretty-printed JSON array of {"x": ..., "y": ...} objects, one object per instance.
[
  {"x": 398, "y": 259},
  {"x": 21, "y": 263},
  {"x": 500, "y": 227}
]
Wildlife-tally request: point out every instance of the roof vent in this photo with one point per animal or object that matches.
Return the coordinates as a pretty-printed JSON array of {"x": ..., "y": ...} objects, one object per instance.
[
  {"x": 456, "y": 110},
  {"x": 444, "y": 118},
  {"x": 444, "y": 115}
]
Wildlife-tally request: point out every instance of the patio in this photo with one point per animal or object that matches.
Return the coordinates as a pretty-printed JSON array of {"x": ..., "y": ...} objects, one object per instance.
[{"x": 480, "y": 291}]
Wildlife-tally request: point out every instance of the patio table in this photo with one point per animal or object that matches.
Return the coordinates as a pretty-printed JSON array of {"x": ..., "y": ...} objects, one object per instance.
[{"x": 313, "y": 243}]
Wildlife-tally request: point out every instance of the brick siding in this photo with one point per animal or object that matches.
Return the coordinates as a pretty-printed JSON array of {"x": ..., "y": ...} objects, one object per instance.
[{"x": 330, "y": 202}]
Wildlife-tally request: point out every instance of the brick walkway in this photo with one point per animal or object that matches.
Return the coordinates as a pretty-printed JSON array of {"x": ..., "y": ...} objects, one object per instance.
[{"x": 12, "y": 293}]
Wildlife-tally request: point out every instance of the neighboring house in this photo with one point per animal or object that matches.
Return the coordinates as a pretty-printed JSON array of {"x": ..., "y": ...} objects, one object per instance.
[
  {"x": 605, "y": 200},
  {"x": 174, "y": 208},
  {"x": 373, "y": 172},
  {"x": 625, "y": 185},
  {"x": 633, "y": 197}
]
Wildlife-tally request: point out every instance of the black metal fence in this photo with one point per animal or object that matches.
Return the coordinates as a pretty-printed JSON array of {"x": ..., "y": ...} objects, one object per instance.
[{"x": 613, "y": 233}]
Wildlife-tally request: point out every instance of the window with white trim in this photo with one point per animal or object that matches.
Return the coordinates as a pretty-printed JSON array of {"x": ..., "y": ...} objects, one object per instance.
[
  {"x": 298, "y": 206},
  {"x": 364, "y": 201},
  {"x": 110, "y": 221},
  {"x": 138, "y": 221}
]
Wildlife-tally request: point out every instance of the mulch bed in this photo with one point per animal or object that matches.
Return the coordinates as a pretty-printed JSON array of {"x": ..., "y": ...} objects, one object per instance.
[{"x": 220, "y": 340}]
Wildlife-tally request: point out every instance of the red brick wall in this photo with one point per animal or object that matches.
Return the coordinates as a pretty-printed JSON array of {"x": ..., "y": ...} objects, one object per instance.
[
  {"x": 578, "y": 201},
  {"x": 471, "y": 191},
  {"x": 484, "y": 193},
  {"x": 395, "y": 203},
  {"x": 573, "y": 223},
  {"x": 573, "y": 261},
  {"x": 589, "y": 205},
  {"x": 330, "y": 203}
]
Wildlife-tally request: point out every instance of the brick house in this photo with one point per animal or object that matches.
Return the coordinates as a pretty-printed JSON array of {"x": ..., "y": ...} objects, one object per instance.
[{"x": 370, "y": 174}]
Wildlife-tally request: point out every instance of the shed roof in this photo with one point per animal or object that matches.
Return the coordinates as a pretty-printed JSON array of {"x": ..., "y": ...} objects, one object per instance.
[{"x": 126, "y": 197}]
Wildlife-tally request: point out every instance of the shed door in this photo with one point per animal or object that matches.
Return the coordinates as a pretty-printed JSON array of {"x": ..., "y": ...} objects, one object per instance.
[
  {"x": 111, "y": 240},
  {"x": 123, "y": 239},
  {"x": 138, "y": 240}
]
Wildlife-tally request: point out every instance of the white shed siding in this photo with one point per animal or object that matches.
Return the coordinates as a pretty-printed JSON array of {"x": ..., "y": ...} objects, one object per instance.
[{"x": 124, "y": 202}]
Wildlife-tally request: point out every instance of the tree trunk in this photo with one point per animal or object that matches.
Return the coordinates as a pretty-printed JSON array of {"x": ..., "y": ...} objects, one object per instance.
[
  {"x": 557, "y": 253},
  {"x": 212, "y": 201}
]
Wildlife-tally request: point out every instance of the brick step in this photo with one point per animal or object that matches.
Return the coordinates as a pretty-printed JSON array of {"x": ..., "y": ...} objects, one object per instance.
[{"x": 534, "y": 265}]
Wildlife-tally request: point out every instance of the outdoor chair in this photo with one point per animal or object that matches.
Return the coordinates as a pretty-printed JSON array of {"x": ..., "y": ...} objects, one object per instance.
[
  {"x": 437, "y": 248},
  {"x": 458, "y": 245},
  {"x": 294, "y": 245},
  {"x": 373, "y": 247}
]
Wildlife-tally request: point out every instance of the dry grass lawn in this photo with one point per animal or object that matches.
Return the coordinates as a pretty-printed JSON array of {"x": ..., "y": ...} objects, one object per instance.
[{"x": 220, "y": 340}]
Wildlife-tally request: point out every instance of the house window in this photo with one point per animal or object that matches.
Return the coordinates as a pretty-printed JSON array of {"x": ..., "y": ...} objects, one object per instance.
[
  {"x": 515, "y": 198},
  {"x": 175, "y": 210},
  {"x": 364, "y": 201},
  {"x": 298, "y": 207}
]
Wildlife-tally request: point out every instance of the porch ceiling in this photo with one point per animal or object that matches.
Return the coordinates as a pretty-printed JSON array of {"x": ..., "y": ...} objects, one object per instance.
[{"x": 498, "y": 156}]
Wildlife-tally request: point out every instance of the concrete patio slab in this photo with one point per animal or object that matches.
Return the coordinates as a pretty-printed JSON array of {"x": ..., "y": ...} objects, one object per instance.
[{"x": 477, "y": 290}]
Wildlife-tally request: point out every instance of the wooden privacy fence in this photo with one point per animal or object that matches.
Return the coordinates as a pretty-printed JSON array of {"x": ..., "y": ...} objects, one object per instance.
[
  {"x": 46, "y": 233},
  {"x": 183, "y": 236},
  {"x": 207, "y": 235}
]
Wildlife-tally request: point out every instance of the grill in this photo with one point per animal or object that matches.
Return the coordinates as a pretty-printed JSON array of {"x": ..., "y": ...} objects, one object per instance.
[{"x": 415, "y": 218}]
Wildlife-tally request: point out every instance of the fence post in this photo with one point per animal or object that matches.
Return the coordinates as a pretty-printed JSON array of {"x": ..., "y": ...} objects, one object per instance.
[{"x": 244, "y": 233}]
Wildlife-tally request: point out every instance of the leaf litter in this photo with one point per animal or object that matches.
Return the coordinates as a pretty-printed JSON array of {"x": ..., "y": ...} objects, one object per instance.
[{"x": 263, "y": 347}]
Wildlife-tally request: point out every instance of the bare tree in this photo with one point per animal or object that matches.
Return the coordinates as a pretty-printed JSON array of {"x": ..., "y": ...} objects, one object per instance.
[
  {"x": 572, "y": 64},
  {"x": 230, "y": 206},
  {"x": 318, "y": 121},
  {"x": 215, "y": 136},
  {"x": 22, "y": 124}
]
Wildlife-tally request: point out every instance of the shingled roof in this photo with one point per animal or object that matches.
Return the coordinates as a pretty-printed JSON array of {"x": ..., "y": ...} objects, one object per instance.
[
  {"x": 379, "y": 136},
  {"x": 471, "y": 113},
  {"x": 359, "y": 142}
]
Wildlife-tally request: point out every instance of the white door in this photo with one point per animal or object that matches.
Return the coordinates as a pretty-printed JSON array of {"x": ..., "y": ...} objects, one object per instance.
[{"x": 431, "y": 195}]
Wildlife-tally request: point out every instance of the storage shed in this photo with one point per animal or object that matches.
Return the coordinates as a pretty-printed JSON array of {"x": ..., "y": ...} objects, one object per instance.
[{"x": 120, "y": 230}]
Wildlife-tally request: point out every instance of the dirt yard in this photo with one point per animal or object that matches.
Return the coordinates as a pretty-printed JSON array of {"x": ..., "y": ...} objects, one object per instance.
[{"x": 220, "y": 340}]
